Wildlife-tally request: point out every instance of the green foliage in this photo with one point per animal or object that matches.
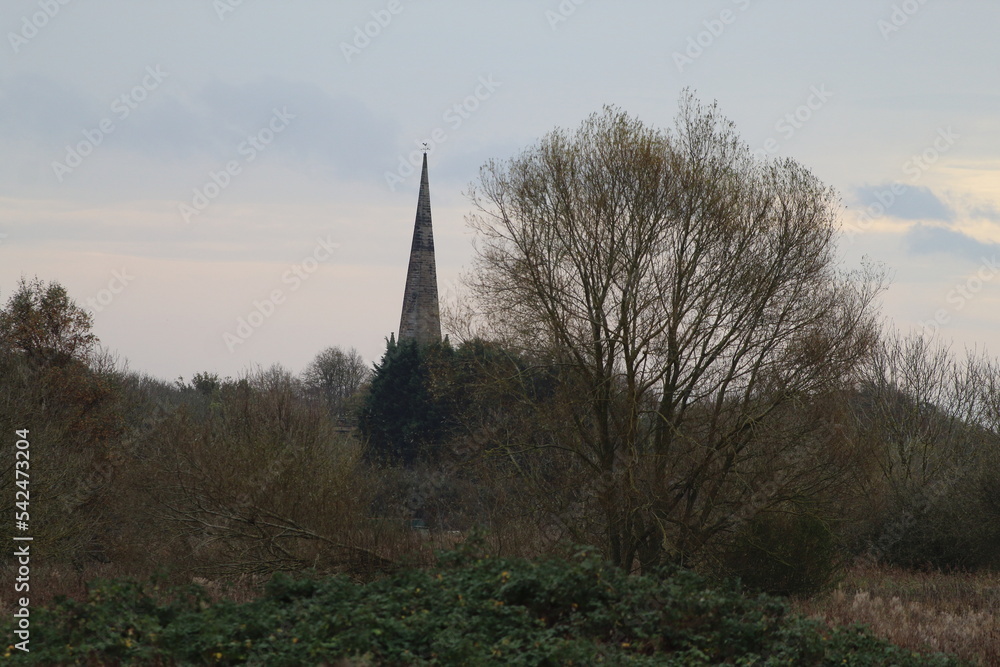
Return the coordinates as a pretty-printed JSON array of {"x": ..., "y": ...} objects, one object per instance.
[
  {"x": 468, "y": 610},
  {"x": 206, "y": 383},
  {"x": 402, "y": 415},
  {"x": 784, "y": 553},
  {"x": 422, "y": 397}
]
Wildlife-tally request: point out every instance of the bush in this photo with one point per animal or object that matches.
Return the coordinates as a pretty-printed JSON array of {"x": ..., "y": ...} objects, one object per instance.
[
  {"x": 954, "y": 525},
  {"x": 466, "y": 610},
  {"x": 784, "y": 553},
  {"x": 263, "y": 482}
]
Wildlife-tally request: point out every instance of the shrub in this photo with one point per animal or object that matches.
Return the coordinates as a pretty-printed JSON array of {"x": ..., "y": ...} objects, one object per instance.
[
  {"x": 263, "y": 482},
  {"x": 466, "y": 610},
  {"x": 784, "y": 553},
  {"x": 955, "y": 528}
]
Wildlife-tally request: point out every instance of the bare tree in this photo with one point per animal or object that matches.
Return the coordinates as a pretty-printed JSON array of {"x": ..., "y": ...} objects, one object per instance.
[
  {"x": 266, "y": 483},
  {"x": 926, "y": 419},
  {"x": 917, "y": 407},
  {"x": 336, "y": 375},
  {"x": 687, "y": 293}
]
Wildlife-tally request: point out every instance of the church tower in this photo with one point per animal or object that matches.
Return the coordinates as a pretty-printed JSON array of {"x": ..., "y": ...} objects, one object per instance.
[{"x": 421, "y": 319}]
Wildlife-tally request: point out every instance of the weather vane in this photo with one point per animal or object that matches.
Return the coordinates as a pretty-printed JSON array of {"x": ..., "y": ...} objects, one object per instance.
[{"x": 426, "y": 148}]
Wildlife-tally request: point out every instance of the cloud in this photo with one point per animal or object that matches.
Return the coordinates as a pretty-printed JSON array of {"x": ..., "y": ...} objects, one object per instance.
[
  {"x": 334, "y": 130},
  {"x": 987, "y": 211},
  {"x": 913, "y": 203},
  {"x": 36, "y": 108},
  {"x": 923, "y": 239},
  {"x": 329, "y": 130}
]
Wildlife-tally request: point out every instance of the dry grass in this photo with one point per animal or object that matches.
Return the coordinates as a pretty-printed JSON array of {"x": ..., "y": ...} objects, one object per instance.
[{"x": 953, "y": 613}]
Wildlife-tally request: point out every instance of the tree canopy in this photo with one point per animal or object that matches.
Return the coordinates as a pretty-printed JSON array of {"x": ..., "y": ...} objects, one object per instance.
[
  {"x": 336, "y": 375},
  {"x": 42, "y": 322},
  {"x": 689, "y": 292}
]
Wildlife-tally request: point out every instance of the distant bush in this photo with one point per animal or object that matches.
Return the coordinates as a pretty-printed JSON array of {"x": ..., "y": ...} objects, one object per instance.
[
  {"x": 466, "y": 610},
  {"x": 930, "y": 422},
  {"x": 784, "y": 553},
  {"x": 954, "y": 525},
  {"x": 263, "y": 482}
]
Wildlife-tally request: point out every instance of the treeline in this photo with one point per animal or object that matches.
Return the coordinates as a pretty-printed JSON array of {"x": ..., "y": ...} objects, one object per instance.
[
  {"x": 899, "y": 466},
  {"x": 276, "y": 472},
  {"x": 657, "y": 355},
  {"x": 244, "y": 475}
]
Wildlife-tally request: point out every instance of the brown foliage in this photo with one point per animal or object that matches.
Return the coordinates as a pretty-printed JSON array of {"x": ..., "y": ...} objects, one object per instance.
[
  {"x": 42, "y": 322},
  {"x": 686, "y": 295},
  {"x": 266, "y": 482},
  {"x": 952, "y": 613}
]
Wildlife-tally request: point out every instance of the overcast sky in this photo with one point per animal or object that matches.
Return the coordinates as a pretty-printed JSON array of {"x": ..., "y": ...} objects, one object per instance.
[{"x": 180, "y": 166}]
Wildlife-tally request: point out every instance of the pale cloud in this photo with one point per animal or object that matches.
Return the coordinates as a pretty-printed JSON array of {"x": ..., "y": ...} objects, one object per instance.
[
  {"x": 922, "y": 239},
  {"x": 337, "y": 131},
  {"x": 987, "y": 211}
]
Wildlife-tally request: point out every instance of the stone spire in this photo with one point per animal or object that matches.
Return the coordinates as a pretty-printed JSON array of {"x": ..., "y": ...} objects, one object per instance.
[{"x": 421, "y": 320}]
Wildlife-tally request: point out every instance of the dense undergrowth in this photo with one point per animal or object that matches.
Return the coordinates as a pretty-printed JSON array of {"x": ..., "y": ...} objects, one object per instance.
[{"x": 466, "y": 610}]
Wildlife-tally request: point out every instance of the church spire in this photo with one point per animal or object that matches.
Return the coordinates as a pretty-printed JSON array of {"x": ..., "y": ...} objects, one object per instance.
[{"x": 421, "y": 320}]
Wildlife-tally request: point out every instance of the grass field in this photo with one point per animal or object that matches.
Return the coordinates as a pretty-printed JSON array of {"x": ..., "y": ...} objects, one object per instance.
[{"x": 956, "y": 613}]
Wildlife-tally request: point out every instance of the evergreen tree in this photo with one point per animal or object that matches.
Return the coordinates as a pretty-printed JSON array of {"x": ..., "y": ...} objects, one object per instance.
[{"x": 406, "y": 411}]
